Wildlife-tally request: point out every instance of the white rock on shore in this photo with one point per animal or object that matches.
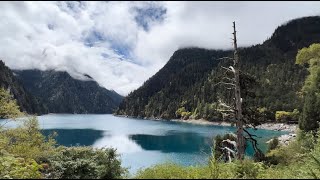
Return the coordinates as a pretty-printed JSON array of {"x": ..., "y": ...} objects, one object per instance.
[
  {"x": 285, "y": 139},
  {"x": 278, "y": 127}
]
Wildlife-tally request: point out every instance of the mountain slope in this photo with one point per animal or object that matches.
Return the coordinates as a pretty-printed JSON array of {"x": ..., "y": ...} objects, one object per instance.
[
  {"x": 26, "y": 101},
  {"x": 60, "y": 93},
  {"x": 187, "y": 80},
  {"x": 184, "y": 68}
]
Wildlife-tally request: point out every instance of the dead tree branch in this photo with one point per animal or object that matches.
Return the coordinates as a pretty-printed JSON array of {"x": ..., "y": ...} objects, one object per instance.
[{"x": 224, "y": 83}]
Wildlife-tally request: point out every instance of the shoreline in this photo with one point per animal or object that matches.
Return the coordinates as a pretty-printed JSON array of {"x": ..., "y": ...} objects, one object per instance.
[
  {"x": 266, "y": 126},
  {"x": 290, "y": 128}
]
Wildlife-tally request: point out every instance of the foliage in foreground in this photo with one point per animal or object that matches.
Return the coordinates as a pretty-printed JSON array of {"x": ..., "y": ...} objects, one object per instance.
[
  {"x": 85, "y": 162},
  {"x": 26, "y": 153},
  {"x": 13, "y": 167},
  {"x": 26, "y": 141}
]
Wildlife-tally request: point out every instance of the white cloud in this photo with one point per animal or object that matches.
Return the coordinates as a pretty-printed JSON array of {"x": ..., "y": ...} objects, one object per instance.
[
  {"x": 120, "y": 142},
  {"x": 55, "y": 35}
]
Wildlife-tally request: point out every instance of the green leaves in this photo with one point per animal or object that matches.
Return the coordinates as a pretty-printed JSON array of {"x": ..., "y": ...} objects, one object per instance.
[
  {"x": 284, "y": 116},
  {"x": 311, "y": 89},
  {"x": 183, "y": 113},
  {"x": 20, "y": 168},
  {"x": 173, "y": 171},
  {"x": 86, "y": 162},
  {"x": 308, "y": 54},
  {"x": 27, "y": 141},
  {"x": 8, "y": 106},
  {"x": 22, "y": 148}
]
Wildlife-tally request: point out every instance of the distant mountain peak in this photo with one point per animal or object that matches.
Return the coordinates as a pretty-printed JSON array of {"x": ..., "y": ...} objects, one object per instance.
[
  {"x": 296, "y": 34},
  {"x": 62, "y": 93},
  {"x": 88, "y": 76}
]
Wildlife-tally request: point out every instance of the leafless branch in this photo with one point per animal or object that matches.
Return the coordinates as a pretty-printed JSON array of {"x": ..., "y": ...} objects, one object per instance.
[
  {"x": 227, "y": 69},
  {"x": 231, "y": 84},
  {"x": 251, "y": 135},
  {"x": 225, "y": 110},
  {"x": 224, "y": 83},
  {"x": 228, "y": 58},
  {"x": 228, "y": 79}
]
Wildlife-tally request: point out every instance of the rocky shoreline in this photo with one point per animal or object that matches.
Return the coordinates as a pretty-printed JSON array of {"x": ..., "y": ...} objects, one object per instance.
[
  {"x": 267, "y": 126},
  {"x": 285, "y": 139},
  {"x": 291, "y": 128},
  {"x": 279, "y": 127}
]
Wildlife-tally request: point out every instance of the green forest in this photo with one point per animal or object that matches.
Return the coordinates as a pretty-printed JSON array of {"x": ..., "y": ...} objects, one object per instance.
[
  {"x": 27, "y": 153},
  {"x": 186, "y": 87}
]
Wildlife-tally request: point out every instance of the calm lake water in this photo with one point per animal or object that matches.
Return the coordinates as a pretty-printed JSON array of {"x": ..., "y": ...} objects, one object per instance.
[{"x": 141, "y": 143}]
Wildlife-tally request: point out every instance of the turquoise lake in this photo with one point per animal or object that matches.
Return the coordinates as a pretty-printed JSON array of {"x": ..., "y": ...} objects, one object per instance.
[{"x": 141, "y": 143}]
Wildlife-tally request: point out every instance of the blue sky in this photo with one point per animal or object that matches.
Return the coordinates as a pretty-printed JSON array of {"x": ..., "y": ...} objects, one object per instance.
[
  {"x": 122, "y": 44},
  {"x": 146, "y": 16}
]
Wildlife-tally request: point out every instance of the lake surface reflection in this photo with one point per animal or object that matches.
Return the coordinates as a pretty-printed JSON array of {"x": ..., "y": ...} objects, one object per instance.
[{"x": 141, "y": 143}]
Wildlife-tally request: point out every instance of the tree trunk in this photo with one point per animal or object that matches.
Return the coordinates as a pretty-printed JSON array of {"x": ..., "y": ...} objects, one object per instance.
[{"x": 239, "y": 124}]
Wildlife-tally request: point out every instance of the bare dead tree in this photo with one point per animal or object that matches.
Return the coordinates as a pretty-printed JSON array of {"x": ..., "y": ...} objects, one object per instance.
[
  {"x": 236, "y": 109},
  {"x": 240, "y": 137}
]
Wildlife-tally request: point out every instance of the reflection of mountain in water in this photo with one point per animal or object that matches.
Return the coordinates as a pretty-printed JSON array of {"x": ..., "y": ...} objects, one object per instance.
[
  {"x": 183, "y": 142},
  {"x": 74, "y": 137},
  {"x": 171, "y": 142},
  {"x": 180, "y": 142}
]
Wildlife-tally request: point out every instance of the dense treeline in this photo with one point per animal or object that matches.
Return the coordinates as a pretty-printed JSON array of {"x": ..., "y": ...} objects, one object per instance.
[
  {"x": 162, "y": 94},
  {"x": 186, "y": 86}
]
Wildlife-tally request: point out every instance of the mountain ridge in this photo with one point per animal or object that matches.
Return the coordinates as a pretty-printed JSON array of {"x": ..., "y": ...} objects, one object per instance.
[
  {"x": 25, "y": 100},
  {"x": 61, "y": 93},
  {"x": 267, "y": 62}
]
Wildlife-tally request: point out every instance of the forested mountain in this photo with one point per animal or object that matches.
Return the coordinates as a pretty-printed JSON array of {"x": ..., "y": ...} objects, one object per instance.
[
  {"x": 187, "y": 83},
  {"x": 25, "y": 100},
  {"x": 60, "y": 93}
]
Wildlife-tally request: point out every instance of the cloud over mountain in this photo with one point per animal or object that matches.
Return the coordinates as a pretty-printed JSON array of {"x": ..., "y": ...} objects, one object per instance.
[{"x": 122, "y": 44}]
